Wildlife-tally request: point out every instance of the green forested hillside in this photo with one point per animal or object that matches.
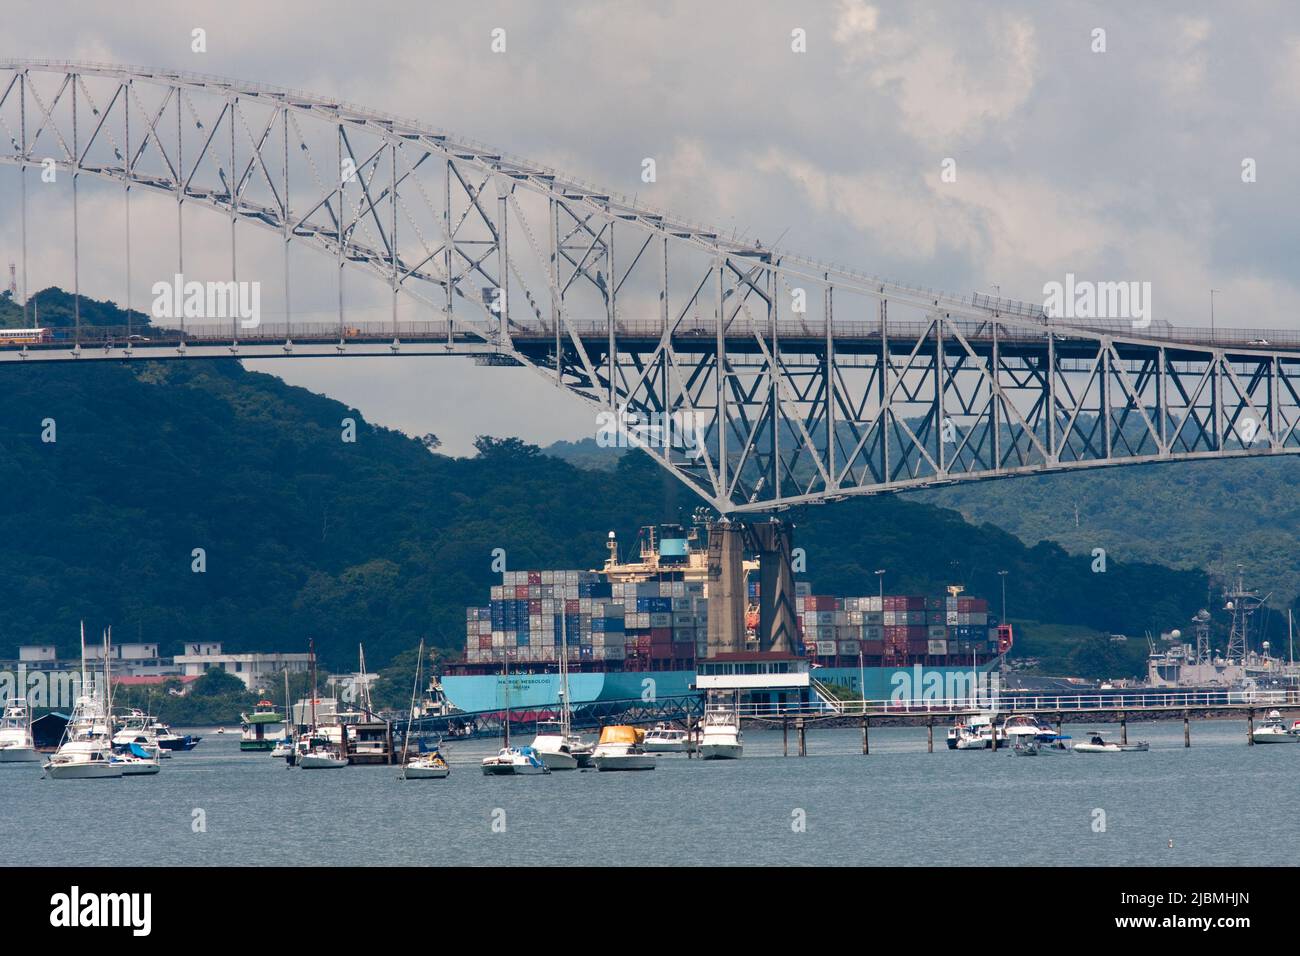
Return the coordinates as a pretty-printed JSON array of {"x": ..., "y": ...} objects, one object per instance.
[
  {"x": 380, "y": 541},
  {"x": 1210, "y": 514}
]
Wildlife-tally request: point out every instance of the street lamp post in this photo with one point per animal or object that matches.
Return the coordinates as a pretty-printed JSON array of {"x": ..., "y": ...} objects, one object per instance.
[{"x": 1003, "y": 576}]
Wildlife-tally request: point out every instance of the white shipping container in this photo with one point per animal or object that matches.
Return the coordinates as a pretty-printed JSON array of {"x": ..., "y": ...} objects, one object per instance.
[{"x": 826, "y": 648}]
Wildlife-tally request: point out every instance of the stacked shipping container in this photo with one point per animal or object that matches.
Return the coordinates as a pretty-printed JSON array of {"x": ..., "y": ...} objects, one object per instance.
[
  {"x": 532, "y": 614},
  {"x": 663, "y": 624}
]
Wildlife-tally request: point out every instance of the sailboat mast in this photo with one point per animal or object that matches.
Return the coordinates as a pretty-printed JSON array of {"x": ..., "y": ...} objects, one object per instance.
[
  {"x": 415, "y": 687},
  {"x": 311, "y": 644},
  {"x": 564, "y": 675}
]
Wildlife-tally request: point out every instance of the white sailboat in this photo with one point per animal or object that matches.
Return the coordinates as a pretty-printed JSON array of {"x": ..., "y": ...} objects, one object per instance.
[
  {"x": 16, "y": 733},
  {"x": 555, "y": 742},
  {"x": 512, "y": 761},
  {"x": 424, "y": 766},
  {"x": 316, "y": 751},
  {"x": 86, "y": 752}
]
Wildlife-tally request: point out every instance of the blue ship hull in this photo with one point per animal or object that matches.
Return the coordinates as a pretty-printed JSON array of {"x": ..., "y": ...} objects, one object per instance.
[{"x": 480, "y": 692}]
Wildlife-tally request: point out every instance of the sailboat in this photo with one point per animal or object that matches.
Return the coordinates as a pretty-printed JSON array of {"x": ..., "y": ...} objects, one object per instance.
[
  {"x": 315, "y": 750},
  {"x": 284, "y": 746},
  {"x": 16, "y": 733},
  {"x": 512, "y": 761},
  {"x": 425, "y": 766},
  {"x": 555, "y": 742},
  {"x": 86, "y": 751}
]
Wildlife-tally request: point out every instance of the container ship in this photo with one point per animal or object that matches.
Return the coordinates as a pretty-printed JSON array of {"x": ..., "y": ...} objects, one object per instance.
[{"x": 648, "y": 617}]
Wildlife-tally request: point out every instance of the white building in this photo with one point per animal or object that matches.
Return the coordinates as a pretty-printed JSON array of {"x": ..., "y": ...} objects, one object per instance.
[
  {"x": 255, "y": 670},
  {"x": 33, "y": 653}
]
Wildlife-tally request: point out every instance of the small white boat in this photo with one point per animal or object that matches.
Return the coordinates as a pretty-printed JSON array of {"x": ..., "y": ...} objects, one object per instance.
[
  {"x": 1274, "y": 731},
  {"x": 514, "y": 761},
  {"x": 16, "y": 733},
  {"x": 559, "y": 749},
  {"x": 620, "y": 749},
  {"x": 663, "y": 739},
  {"x": 1097, "y": 745},
  {"x": 720, "y": 739},
  {"x": 316, "y": 752},
  {"x": 974, "y": 732},
  {"x": 283, "y": 748},
  {"x": 321, "y": 759},
  {"x": 83, "y": 765},
  {"x": 428, "y": 766},
  {"x": 138, "y": 762}
]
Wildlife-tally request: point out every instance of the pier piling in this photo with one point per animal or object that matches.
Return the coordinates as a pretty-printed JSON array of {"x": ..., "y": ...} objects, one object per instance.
[
  {"x": 864, "y": 737},
  {"x": 929, "y": 735},
  {"x": 1123, "y": 728},
  {"x": 1250, "y": 727},
  {"x": 785, "y": 736},
  {"x": 802, "y": 730},
  {"x": 1187, "y": 729}
]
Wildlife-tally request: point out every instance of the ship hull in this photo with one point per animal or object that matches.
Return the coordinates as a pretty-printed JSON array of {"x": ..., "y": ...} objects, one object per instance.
[{"x": 486, "y": 692}]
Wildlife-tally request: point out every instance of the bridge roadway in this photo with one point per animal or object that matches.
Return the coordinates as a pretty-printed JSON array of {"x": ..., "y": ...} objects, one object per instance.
[{"x": 538, "y": 341}]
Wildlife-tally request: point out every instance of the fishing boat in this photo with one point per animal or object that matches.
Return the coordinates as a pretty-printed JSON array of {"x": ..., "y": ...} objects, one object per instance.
[
  {"x": 620, "y": 748},
  {"x": 16, "y": 733},
  {"x": 259, "y": 730},
  {"x": 663, "y": 739},
  {"x": 423, "y": 766},
  {"x": 1274, "y": 731},
  {"x": 721, "y": 737},
  {"x": 86, "y": 751},
  {"x": 1096, "y": 744},
  {"x": 514, "y": 761}
]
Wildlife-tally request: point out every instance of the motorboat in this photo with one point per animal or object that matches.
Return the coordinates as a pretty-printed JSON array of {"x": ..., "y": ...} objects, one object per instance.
[
  {"x": 283, "y": 748},
  {"x": 720, "y": 739},
  {"x": 16, "y": 733},
  {"x": 136, "y": 729},
  {"x": 137, "y": 761},
  {"x": 1096, "y": 744},
  {"x": 86, "y": 751},
  {"x": 974, "y": 732},
  {"x": 1020, "y": 727},
  {"x": 168, "y": 740},
  {"x": 514, "y": 761},
  {"x": 1027, "y": 746},
  {"x": 1274, "y": 731},
  {"x": 620, "y": 748},
  {"x": 555, "y": 747},
  {"x": 663, "y": 739}
]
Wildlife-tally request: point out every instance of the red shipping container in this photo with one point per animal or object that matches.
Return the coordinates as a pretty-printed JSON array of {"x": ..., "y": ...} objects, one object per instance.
[
  {"x": 485, "y": 642},
  {"x": 873, "y": 648},
  {"x": 521, "y": 592},
  {"x": 571, "y": 606},
  {"x": 534, "y": 577},
  {"x": 535, "y": 606},
  {"x": 913, "y": 604}
]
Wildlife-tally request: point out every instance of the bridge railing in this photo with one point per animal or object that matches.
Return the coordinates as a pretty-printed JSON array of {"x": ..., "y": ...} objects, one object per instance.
[{"x": 1008, "y": 703}]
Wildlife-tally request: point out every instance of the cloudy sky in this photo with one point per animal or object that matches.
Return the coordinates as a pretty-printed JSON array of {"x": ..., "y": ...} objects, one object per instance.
[{"x": 1122, "y": 164}]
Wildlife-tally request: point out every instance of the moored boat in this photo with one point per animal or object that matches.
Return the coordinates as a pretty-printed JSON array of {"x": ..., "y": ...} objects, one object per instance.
[
  {"x": 1274, "y": 731},
  {"x": 663, "y": 739},
  {"x": 720, "y": 739},
  {"x": 514, "y": 761},
  {"x": 16, "y": 733},
  {"x": 259, "y": 730},
  {"x": 620, "y": 748},
  {"x": 1096, "y": 744}
]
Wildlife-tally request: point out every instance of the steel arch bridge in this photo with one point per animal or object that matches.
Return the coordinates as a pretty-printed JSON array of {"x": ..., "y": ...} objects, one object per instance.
[{"x": 758, "y": 377}]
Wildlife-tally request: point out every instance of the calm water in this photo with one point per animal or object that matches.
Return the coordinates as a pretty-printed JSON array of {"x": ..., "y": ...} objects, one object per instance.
[{"x": 1221, "y": 802}]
